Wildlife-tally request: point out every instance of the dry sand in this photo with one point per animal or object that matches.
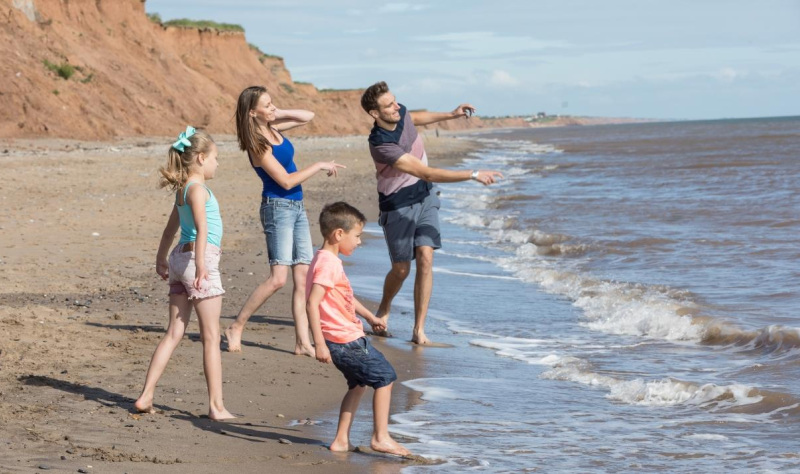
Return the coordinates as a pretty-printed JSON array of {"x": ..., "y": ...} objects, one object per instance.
[{"x": 81, "y": 311}]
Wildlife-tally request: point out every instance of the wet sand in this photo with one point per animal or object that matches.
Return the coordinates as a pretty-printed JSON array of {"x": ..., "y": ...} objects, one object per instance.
[{"x": 81, "y": 311}]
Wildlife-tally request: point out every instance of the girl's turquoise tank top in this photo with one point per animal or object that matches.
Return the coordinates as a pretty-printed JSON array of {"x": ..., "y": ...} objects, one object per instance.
[{"x": 213, "y": 219}]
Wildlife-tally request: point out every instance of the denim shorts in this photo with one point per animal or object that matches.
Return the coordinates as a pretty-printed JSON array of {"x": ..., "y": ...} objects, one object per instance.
[
  {"x": 361, "y": 364},
  {"x": 410, "y": 227},
  {"x": 182, "y": 273},
  {"x": 288, "y": 234}
]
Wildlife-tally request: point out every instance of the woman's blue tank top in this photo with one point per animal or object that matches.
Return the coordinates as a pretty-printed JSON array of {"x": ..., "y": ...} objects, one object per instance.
[{"x": 284, "y": 153}]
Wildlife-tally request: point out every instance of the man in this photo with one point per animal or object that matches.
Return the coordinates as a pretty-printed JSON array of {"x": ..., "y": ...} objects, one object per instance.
[{"x": 409, "y": 208}]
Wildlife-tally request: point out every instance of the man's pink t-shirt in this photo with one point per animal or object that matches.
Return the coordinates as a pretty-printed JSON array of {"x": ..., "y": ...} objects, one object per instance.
[{"x": 337, "y": 310}]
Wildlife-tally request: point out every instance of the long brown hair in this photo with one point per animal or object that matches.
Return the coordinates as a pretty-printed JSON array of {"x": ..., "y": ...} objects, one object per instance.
[
  {"x": 175, "y": 174},
  {"x": 250, "y": 137}
]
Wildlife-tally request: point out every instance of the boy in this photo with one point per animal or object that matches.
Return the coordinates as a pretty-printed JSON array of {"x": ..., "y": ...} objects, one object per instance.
[{"x": 332, "y": 310}]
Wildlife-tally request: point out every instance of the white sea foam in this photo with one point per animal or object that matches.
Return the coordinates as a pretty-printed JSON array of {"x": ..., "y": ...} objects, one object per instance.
[
  {"x": 707, "y": 437},
  {"x": 474, "y": 275}
]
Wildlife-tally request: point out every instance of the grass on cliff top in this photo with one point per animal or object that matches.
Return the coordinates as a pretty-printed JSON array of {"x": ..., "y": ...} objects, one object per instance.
[
  {"x": 187, "y": 23},
  {"x": 262, "y": 54}
]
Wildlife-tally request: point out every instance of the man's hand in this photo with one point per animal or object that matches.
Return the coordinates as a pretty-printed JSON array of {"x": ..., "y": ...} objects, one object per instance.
[
  {"x": 464, "y": 110},
  {"x": 487, "y": 177}
]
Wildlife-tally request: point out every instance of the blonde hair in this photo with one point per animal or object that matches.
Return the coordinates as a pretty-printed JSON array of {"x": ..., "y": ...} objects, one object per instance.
[
  {"x": 250, "y": 137},
  {"x": 175, "y": 174}
]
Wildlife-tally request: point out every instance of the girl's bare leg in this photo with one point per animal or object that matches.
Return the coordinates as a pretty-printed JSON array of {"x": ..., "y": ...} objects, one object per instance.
[
  {"x": 179, "y": 311},
  {"x": 302, "y": 334},
  {"x": 346, "y": 413},
  {"x": 208, "y": 311},
  {"x": 381, "y": 440},
  {"x": 277, "y": 279}
]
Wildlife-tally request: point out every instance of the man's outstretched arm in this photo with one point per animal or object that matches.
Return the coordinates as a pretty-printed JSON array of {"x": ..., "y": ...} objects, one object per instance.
[
  {"x": 423, "y": 117},
  {"x": 413, "y": 166}
]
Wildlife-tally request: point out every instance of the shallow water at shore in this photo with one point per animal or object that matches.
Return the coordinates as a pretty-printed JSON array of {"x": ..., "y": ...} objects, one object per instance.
[{"x": 627, "y": 294}]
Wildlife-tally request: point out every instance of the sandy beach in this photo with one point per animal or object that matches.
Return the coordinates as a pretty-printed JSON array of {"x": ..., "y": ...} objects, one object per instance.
[{"x": 82, "y": 309}]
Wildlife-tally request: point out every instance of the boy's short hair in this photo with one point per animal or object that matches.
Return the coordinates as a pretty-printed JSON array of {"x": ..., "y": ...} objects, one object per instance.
[
  {"x": 369, "y": 99},
  {"x": 339, "y": 215}
]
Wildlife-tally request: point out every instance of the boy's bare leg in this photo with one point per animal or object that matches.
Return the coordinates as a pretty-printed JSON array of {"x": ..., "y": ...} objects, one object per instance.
[
  {"x": 179, "y": 310},
  {"x": 259, "y": 296},
  {"x": 208, "y": 311},
  {"x": 381, "y": 440},
  {"x": 423, "y": 288},
  {"x": 391, "y": 285},
  {"x": 346, "y": 414},
  {"x": 302, "y": 345}
]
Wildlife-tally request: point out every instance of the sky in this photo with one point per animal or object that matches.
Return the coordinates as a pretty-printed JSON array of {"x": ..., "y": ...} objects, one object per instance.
[{"x": 662, "y": 59}]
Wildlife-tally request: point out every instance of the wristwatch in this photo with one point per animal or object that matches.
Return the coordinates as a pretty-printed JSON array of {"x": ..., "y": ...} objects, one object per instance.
[{"x": 474, "y": 175}]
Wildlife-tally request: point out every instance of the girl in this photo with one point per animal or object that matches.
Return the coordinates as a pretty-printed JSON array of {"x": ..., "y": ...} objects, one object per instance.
[
  {"x": 258, "y": 126},
  {"x": 193, "y": 266}
]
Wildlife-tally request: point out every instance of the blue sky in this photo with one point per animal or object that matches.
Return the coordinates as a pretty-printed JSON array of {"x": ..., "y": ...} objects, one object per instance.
[{"x": 671, "y": 59}]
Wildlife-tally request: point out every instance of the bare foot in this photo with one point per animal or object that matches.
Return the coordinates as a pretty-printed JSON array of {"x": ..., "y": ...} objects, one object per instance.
[
  {"x": 219, "y": 415},
  {"x": 234, "y": 338},
  {"x": 144, "y": 406},
  {"x": 340, "y": 446},
  {"x": 300, "y": 350},
  {"x": 420, "y": 338},
  {"x": 389, "y": 446}
]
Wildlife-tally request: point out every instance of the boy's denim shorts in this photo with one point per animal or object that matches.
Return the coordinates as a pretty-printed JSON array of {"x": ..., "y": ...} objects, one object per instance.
[
  {"x": 287, "y": 231},
  {"x": 182, "y": 272},
  {"x": 361, "y": 364}
]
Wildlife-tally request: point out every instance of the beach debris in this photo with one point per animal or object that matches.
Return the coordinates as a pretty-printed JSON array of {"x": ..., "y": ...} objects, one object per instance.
[
  {"x": 280, "y": 415},
  {"x": 83, "y": 471},
  {"x": 95, "y": 234},
  {"x": 135, "y": 416},
  {"x": 284, "y": 441},
  {"x": 44, "y": 467}
]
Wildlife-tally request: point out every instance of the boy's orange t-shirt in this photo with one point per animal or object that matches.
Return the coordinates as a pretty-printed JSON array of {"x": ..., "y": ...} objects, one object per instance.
[{"x": 337, "y": 310}]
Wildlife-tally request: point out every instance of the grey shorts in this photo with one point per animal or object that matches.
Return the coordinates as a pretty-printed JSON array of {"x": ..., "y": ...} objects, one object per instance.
[{"x": 413, "y": 226}]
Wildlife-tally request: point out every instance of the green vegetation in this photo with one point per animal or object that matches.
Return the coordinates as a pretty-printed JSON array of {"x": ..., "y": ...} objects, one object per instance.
[
  {"x": 262, "y": 54},
  {"x": 55, "y": 91},
  {"x": 287, "y": 87},
  {"x": 186, "y": 23},
  {"x": 154, "y": 17},
  {"x": 64, "y": 70},
  {"x": 88, "y": 78}
]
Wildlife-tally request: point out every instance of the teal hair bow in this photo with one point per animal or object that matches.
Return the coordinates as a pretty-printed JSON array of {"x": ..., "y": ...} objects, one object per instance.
[{"x": 183, "y": 139}]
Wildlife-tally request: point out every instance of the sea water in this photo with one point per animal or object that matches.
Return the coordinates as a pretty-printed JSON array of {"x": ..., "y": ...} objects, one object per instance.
[{"x": 626, "y": 299}]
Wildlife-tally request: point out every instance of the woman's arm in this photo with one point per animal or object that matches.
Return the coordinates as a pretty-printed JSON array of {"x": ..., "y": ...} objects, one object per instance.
[
  {"x": 288, "y": 119},
  {"x": 278, "y": 173}
]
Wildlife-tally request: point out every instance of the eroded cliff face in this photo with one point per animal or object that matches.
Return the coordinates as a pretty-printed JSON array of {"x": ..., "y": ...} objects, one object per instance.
[{"x": 136, "y": 77}]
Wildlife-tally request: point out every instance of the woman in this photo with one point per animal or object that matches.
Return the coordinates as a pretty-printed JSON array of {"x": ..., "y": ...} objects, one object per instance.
[{"x": 259, "y": 124}]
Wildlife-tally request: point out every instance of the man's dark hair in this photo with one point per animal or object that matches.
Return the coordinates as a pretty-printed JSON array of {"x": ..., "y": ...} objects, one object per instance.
[
  {"x": 369, "y": 99},
  {"x": 339, "y": 215}
]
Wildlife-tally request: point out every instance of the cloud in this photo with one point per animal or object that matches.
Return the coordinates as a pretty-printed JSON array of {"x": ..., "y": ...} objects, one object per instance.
[
  {"x": 402, "y": 8},
  {"x": 488, "y": 44},
  {"x": 503, "y": 79},
  {"x": 728, "y": 74}
]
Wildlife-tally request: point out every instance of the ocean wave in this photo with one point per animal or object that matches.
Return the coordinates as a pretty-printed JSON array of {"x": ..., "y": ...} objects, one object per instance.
[{"x": 668, "y": 392}]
